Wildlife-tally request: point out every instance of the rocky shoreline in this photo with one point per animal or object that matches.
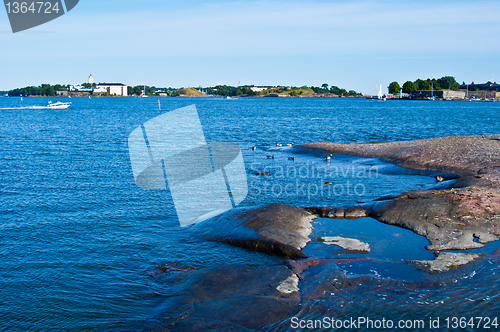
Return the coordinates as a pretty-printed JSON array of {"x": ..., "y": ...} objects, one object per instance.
[
  {"x": 460, "y": 155},
  {"x": 277, "y": 229},
  {"x": 464, "y": 216}
]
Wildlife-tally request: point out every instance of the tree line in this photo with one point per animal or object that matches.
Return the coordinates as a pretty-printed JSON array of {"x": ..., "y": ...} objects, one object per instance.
[
  {"x": 42, "y": 90},
  {"x": 227, "y": 90},
  {"x": 443, "y": 83},
  {"x": 224, "y": 90},
  {"x": 335, "y": 90},
  {"x": 219, "y": 90}
]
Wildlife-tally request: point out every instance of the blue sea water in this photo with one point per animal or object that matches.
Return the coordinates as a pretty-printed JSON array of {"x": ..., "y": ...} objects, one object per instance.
[{"x": 79, "y": 240}]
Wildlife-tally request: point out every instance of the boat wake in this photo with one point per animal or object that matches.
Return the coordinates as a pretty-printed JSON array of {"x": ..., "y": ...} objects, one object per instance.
[
  {"x": 56, "y": 105},
  {"x": 24, "y": 108}
]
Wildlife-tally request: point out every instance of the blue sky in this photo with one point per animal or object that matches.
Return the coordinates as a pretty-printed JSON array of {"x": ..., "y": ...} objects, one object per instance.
[{"x": 352, "y": 44}]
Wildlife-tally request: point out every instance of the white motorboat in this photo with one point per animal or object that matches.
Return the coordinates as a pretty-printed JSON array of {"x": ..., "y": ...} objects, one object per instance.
[{"x": 58, "y": 105}]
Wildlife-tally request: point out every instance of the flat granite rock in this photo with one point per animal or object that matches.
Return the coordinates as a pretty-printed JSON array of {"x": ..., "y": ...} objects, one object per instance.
[
  {"x": 277, "y": 228},
  {"x": 463, "y": 217},
  {"x": 451, "y": 220},
  {"x": 233, "y": 298},
  {"x": 446, "y": 261},
  {"x": 347, "y": 243},
  {"x": 460, "y": 155}
]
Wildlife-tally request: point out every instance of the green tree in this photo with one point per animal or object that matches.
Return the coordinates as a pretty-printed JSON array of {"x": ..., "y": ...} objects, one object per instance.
[
  {"x": 137, "y": 90},
  {"x": 59, "y": 87},
  {"x": 324, "y": 86},
  {"x": 46, "y": 90},
  {"x": 423, "y": 85},
  {"x": 394, "y": 88},
  {"x": 50, "y": 91},
  {"x": 224, "y": 90},
  {"x": 237, "y": 92},
  {"x": 150, "y": 90},
  {"x": 247, "y": 91},
  {"x": 409, "y": 87},
  {"x": 436, "y": 84},
  {"x": 448, "y": 82}
]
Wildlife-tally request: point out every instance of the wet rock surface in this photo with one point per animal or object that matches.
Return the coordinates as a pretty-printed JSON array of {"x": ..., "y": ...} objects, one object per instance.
[
  {"x": 354, "y": 212},
  {"x": 465, "y": 215},
  {"x": 460, "y": 155},
  {"x": 231, "y": 298},
  {"x": 446, "y": 261},
  {"x": 276, "y": 229},
  {"x": 346, "y": 243},
  {"x": 246, "y": 298},
  {"x": 454, "y": 219}
]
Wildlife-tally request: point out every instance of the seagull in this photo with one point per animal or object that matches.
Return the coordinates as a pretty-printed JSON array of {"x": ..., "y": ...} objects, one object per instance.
[
  {"x": 291, "y": 158},
  {"x": 271, "y": 157},
  {"x": 279, "y": 144},
  {"x": 290, "y": 144}
]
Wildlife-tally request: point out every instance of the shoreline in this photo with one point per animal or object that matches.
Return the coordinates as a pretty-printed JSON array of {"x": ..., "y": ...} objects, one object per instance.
[
  {"x": 466, "y": 215},
  {"x": 268, "y": 96},
  {"x": 452, "y": 218}
]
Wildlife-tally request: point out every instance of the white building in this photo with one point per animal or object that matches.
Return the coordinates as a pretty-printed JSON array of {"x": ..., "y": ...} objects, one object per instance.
[
  {"x": 259, "y": 88},
  {"x": 113, "y": 89},
  {"x": 79, "y": 88},
  {"x": 91, "y": 80}
]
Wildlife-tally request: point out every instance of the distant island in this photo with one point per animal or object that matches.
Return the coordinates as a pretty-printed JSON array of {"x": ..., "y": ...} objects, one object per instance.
[
  {"x": 445, "y": 88},
  {"x": 47, "y": 90},
  {"x": 118, "y": 89}
]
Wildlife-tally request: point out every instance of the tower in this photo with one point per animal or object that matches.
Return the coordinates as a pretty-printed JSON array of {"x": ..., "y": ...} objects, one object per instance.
[{"x": 91, "y": 80}]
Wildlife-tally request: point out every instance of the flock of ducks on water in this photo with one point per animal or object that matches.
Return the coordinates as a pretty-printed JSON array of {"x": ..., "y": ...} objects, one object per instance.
[
  {"x": 327, "y": 158},
  {"x": 278, "y": 144}
]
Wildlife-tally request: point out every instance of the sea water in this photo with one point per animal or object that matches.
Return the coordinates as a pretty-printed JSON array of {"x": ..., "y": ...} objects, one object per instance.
[{"x": 79, "y": 241}]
